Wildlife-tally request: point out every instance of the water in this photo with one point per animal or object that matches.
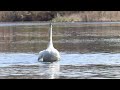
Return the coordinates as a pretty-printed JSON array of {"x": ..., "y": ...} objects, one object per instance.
[{"x": 88, "y": 50}]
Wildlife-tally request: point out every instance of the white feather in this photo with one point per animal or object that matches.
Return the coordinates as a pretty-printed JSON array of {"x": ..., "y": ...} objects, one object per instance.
[{"x": 50, "y": 54}]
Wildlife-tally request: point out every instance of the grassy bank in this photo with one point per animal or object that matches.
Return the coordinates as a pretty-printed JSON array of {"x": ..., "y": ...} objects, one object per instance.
[
  {"x": 88, "y": 16},
  {"x": 59, "y": 16}
]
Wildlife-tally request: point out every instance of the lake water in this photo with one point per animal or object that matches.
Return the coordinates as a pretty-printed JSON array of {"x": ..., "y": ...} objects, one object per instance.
[{"x": 88, "y": 50}]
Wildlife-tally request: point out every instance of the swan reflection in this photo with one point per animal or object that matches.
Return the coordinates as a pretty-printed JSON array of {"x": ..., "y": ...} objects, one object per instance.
[{"x": 50, "y": 70}]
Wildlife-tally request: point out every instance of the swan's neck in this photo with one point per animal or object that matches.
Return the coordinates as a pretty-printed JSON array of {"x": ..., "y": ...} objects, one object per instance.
[{"x": 50, "y": 37}]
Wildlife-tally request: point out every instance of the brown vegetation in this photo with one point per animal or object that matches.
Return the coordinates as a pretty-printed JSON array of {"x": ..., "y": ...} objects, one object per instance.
[
  {"x": 59, "y": 16},
  {"x": 87, "y": 16},
  {"x": 26, "y": 15}
]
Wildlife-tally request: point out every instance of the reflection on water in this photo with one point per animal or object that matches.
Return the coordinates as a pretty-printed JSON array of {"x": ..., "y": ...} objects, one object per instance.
[
  {"x": 88, "y": 50},
  {"x": 26, "y": 66},
  {"x": 22, "y": 65},
  {"x": 51, "y": 70},
  {"x": 80, "y": 38}
]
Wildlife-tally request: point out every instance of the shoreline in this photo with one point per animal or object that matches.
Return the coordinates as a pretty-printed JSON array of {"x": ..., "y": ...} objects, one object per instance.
[{"x": 54, "y": 23}]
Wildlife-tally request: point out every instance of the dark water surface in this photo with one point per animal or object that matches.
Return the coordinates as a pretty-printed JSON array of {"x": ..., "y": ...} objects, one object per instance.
[{"x": 88, "y": 50}]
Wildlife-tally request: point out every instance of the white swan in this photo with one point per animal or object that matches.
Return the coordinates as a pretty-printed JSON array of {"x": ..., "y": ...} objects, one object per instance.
[{"x": 50, "y": 54}]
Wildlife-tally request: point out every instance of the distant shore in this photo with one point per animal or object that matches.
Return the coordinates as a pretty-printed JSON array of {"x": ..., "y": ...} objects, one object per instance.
[
  {"x": 63, "y": 24},
  {"x": 60, "y": 16}
]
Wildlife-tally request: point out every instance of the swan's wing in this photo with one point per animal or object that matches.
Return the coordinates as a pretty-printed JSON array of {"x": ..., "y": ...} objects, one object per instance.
[
  {"x": 56, "y": 53},
  {"x": 41, "y": 53}
]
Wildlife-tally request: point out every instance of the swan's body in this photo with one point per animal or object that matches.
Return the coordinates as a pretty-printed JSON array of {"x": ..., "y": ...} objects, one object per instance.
[{"x": 50, "y": 54}]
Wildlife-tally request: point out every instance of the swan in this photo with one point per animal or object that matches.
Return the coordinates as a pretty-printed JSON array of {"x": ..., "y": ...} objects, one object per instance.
[{"x": 50, "y": 54}]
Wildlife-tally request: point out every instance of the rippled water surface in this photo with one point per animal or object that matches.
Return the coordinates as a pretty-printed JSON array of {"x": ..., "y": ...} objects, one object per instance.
[{"x": 88, "y": 50}]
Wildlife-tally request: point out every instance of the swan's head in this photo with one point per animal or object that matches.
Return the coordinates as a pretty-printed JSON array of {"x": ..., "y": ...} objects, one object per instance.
[{"x": 51, "y": 25}]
